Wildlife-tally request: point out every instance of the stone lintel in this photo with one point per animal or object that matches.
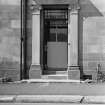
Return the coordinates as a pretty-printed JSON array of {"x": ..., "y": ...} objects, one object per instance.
[{"x": 74, "y": 7}]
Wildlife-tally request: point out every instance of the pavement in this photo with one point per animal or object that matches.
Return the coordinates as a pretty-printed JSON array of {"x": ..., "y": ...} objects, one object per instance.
[
  {"x": 52, "y": 88},
  {"x": 43, "y": 104},
  {"x": 51, "y": 93}
]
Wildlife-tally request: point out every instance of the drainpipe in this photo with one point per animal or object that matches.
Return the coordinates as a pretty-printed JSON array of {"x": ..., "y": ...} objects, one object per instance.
[
  {"x": 25, "y": 38},
  {"x": 80, "y": 41},
  {"x": 23, "y": 52}
]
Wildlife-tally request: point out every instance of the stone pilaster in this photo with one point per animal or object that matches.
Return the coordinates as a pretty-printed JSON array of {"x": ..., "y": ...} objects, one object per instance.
[
  {"x": 35, "y": 70},
  {"x": 73, "y": 67}
]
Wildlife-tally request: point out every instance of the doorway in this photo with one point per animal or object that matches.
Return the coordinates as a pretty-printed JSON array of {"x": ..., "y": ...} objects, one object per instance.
[{"x": 55, "y": 39}]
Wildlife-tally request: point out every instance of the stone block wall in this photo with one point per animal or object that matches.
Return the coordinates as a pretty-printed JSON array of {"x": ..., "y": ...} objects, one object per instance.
[
  {"x": 93, "y": 45},
  {"x": 10, "y": 39}
]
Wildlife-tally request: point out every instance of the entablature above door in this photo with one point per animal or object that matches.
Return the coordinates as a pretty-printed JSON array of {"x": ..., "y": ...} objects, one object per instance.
[
  {"x": 87, "y": 8},
  {"x": 52, "y": 2}
]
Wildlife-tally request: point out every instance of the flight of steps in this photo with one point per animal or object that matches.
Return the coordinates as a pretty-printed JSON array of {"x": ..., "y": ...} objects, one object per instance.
[{"x": 59, "y": 75}]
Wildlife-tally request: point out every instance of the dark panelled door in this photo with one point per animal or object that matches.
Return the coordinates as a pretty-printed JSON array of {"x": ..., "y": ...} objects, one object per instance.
[{"x": 55, "y": 39}]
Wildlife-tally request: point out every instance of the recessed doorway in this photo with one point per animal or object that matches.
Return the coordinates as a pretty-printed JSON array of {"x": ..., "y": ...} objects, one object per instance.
[{"x": 55, "y": 39}]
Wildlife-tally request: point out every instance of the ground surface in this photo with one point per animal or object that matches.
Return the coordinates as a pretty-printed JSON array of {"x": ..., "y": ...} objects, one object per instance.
[
  {"x": 52, "y": 89},
  {"x": 43, "y": 104}
]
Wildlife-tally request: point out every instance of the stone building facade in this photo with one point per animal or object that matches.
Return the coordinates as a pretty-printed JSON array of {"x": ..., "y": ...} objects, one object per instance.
[
  {"x": 60, "y": 39},
  {"x": 65, "y": 54}
]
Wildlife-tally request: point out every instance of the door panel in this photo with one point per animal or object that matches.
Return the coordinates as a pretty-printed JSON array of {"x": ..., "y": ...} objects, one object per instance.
[{"x": 57, "y": 55}]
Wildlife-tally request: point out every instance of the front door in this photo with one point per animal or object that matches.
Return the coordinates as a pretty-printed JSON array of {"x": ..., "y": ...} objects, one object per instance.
[{"x": 55, "y": 39}]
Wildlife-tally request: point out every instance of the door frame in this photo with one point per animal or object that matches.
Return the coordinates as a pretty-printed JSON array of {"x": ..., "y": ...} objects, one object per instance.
[{"x": 42, "y": 45}]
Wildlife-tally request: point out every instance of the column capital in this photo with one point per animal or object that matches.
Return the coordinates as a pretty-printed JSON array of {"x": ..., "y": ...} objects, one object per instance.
[
  {"x": 36, "y": 11},
  {"x": 35, "y": 8},
  {"x": 74, "y": 7}
]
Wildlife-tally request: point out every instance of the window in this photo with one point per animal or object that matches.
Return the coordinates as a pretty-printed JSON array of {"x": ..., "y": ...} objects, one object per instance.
[{"x": 56, "y": 23}]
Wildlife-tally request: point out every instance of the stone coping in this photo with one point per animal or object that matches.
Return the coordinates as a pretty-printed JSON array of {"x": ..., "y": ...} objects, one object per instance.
[{"x": 52, "y": 99}]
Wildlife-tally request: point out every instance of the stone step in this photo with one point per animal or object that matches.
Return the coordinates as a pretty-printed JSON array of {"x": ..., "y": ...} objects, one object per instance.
[
  {"x": 62, "y": 72},
  {"x": 56, "y": 77},
  {"x": 50, "y": 72}
]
